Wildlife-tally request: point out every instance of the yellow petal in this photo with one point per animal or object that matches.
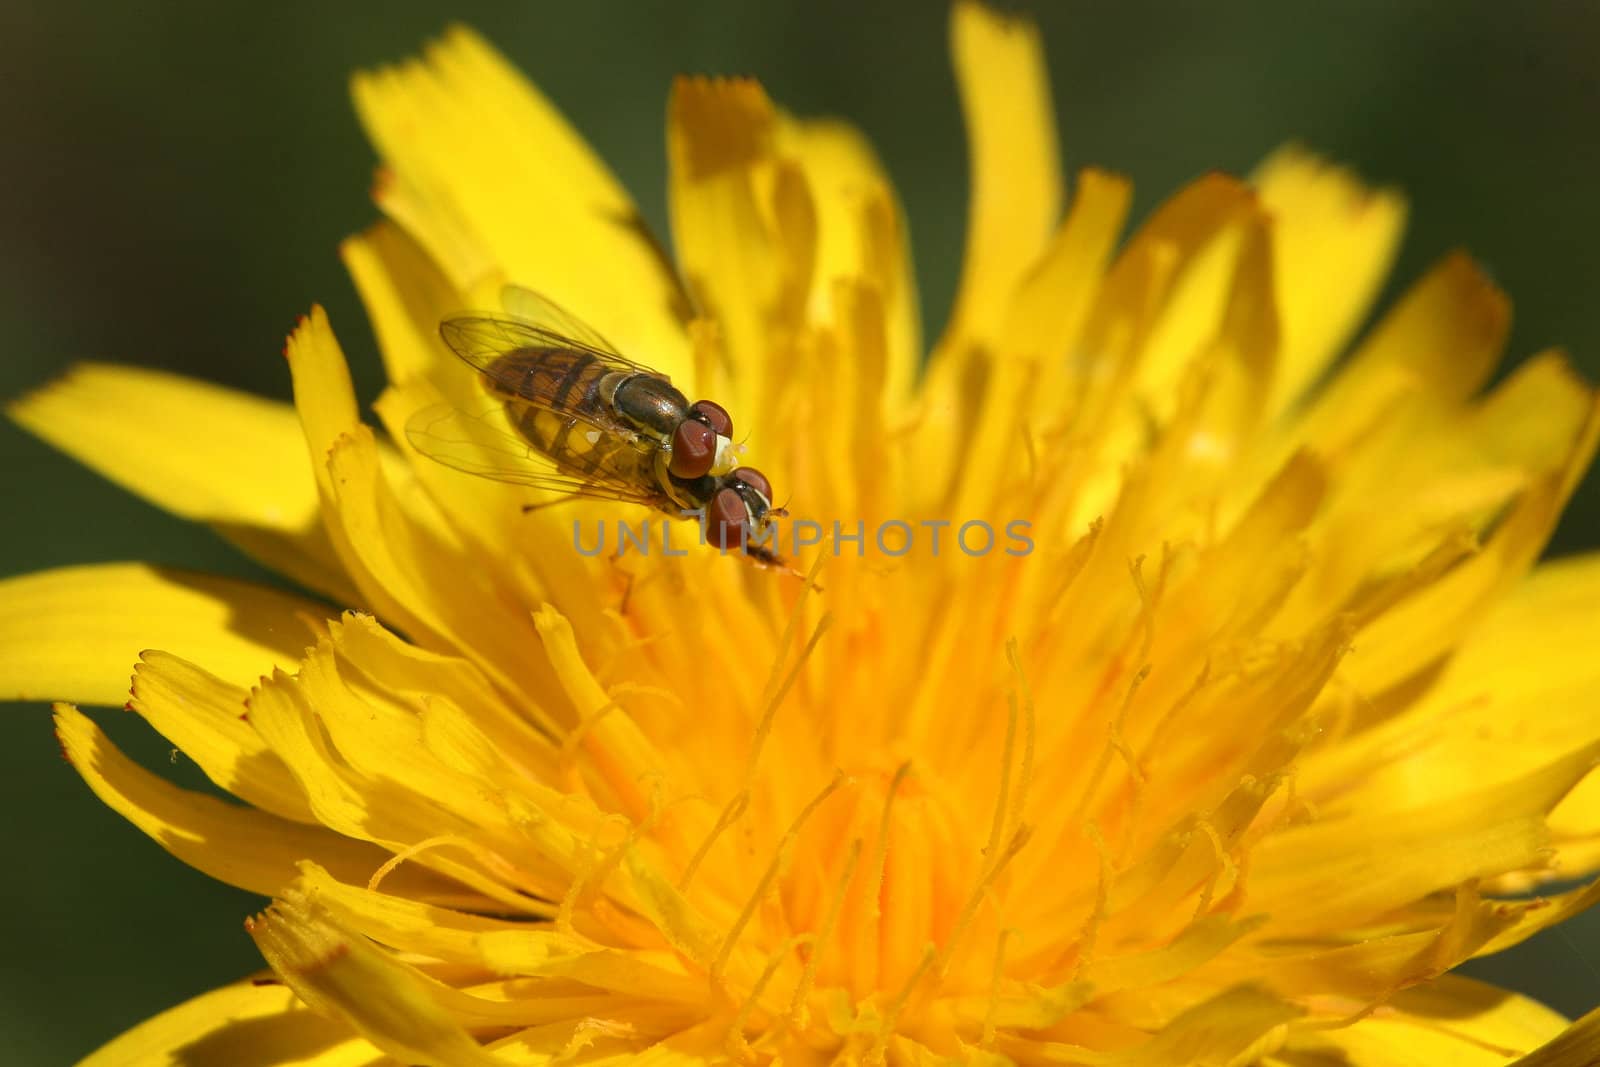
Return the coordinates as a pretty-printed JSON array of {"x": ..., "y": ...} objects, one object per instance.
[
  {"x": 205, "y": 718},
  {"x": 397, "y": 555},
  {"x": 390, "y": 535},
  {"x": 247, "y": 1024},
  {"x": 1222, "y": 1030},
  {"x": 338, "y": 736},
  {"x": 233, "y": 844},
  {"x": 1423, "y": 627},
  {"x": 1014, "y": 161},
  {"x": 405, "y": 296},
  {"x": 75, "y": 633},
  {"x": 490, "y": 178},
  {"x": 1422, "y": 476},
  {"x": 1325, "y": 225},
  {"x": 735, "y": 262},
  {"x": 1449, "y": 1021},
  {"x": 1346, "y": 868},
  {"x": 346, "y": 977},
  {"x": 503, "y": 946},
  {"x": 1028, "y": 389},
  {"x": 1444, "y": 335},
  {"x": 1050, "y": 307},
  {"x": 142, "y": 429},
  {"x": 324, "y": 398},
  {"x": 1012, "y": 210},
  {"x": 1577, "y": 1046},
  {"x": 1515, "y": 695},
  {"x": 861, "y": 235}
]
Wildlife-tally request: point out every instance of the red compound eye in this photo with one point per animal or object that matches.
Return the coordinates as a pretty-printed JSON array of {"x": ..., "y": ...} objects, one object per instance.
[
  {"x": 694, "y": 447},
  {"x": 713, "y": 415},
  {"x": 726, "y": 517},
  {"x": 755, "y": 480}
]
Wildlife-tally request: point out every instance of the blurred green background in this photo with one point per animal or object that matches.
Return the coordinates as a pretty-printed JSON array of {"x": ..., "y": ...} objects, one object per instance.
[{"x": 177, "y": 175}]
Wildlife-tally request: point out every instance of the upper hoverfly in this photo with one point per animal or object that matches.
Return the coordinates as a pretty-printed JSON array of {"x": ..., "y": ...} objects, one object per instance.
[{"x": 585, "y": 420}]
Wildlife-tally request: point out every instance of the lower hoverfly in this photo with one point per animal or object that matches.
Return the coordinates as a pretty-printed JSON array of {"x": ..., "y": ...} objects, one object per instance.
[{"x": 580, "y": 418}]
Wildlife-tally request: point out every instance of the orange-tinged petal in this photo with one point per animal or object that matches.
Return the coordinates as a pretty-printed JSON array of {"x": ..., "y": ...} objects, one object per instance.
[
  {"x": 76, "y": 632},
  {"x": 253, "y": 1023}
]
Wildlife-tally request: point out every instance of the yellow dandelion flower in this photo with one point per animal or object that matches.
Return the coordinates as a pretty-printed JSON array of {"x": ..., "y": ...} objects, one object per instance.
[{"x": 1168, "y": 698}]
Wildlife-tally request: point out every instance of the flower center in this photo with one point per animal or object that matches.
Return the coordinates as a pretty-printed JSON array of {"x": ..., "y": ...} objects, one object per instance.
[{"x": 880, "y": 875}]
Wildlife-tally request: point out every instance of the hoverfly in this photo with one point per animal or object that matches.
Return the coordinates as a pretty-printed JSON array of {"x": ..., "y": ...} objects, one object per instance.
[{"x": 587, "y": 421}]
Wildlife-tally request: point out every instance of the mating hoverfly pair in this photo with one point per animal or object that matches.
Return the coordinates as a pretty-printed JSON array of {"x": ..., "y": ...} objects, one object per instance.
[{"x": 585, "y": 420}]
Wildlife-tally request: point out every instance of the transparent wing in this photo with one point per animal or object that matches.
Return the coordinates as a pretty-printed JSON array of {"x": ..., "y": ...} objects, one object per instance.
[
  {"x": 539, "y": 367},
  {"x": 481, "y": 340},
  {"x": 471, "y": 442},
  {"x": 536, "y": 309}
]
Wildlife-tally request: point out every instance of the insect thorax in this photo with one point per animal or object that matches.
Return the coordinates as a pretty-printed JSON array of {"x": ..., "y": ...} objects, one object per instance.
[{"x": 648, "y": 402}]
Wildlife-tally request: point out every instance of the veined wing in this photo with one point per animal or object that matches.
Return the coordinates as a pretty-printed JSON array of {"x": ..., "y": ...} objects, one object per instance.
[
  {"x": 531, "y": 321},
  {"x": 472, "y": 443},
  {"x": 536, "y": 309},
  {"x": 542, "y": 368}
]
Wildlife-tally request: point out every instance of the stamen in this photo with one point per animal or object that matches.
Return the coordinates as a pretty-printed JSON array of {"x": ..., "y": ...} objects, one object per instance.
[
  {"x": 891, "y": 1018},
  {"x": 608, "y": 861},
  {"x": 1030, "y": 724},
  {"x": 741, "y": 800},
  {"x": 880, "y": 851},
  {"x": 411, "y": 851},
  {"x": 798, "y": 1017},
  {"x": 1102, "y": 901},
  {"x": 737, "y": 1045},
  {"x": 494, "y": 885},
  {"x": 1114, "y": 743},
  {"x": 1225, "y": 865},
  {"x": 767, "y": 878},
  {"x": 970, "y": 908},
  {"x": 567, "y": 755},
  {"x": 1002, "y": 804},
  {"x": 986, "y": 1042},
  {"x": 1146, "y": 608},
  {"x": 622, "y": 689},
  {"x": 569, "y": 899}
]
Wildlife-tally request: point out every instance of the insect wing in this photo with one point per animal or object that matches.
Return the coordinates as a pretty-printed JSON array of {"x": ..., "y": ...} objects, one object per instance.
[
  {"x": 472, "y": 443},
  {"x": 536, "y": 309}
]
